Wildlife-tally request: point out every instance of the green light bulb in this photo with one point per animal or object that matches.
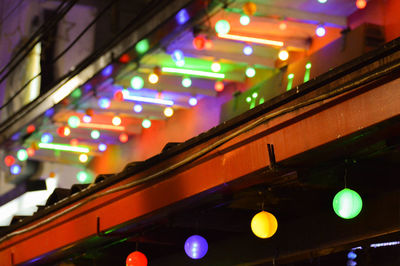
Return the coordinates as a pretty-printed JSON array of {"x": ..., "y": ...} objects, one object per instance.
[
  {"x": 222, "y": 27},
  {"x": 347, "y": 203},
  {"x": 73, "y": 121},
  {"x": 244, "y": 20},
  {"x": 82, "y": 177},
  {"x": 142, "y": 46},
  {"x": 77, "y": 93},
  {"x": 137, "y": 82},
  {"x": 308, "y": 65},
  {"x": 22, "y": 155}
]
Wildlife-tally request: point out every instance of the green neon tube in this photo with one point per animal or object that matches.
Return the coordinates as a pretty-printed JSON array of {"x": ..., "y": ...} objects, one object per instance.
[
  {"x": 193, "y": 72},
  {"x": 63, "y": 147}
]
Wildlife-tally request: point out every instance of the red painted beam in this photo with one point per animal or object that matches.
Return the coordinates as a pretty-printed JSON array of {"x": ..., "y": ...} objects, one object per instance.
[{"x": 291, "y": 134}]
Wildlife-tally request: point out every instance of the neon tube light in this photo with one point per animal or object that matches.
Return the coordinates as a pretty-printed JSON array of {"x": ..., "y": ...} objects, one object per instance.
[
  {"x": 102, "y": 126},
  {"x": 63, "y": 147},
  {"x": 193, "y": 72},
  {"x": 249, "y": 39},
  {"x": 133, "y": 98},
  {"x": 290, "y": 82}
]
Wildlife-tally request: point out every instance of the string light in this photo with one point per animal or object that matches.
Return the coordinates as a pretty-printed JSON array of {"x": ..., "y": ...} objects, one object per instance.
[
  {"x": 216, "y": 67},
  {"x": 116, "y": 121},
  {"x": 146, "y": 123},
  {"x": 196, "y": 247},
  {"x": 15, "y": 169},
  {"x": 95, "y": 134},
  {"x": 320, "y": 31},
  {"x": 123, "y": 137},
  {"x": 244, "y": 20},
  {"x": 283, "y": 25},
  {"x": 247, "y": 50},
  {"x": 199, "y": 42},
  {"x": 177, "y": 55},
  {"x": 46, "y": 138},
  {"x": 219, "y": 86},
  {"x": 283, "y": 55},
  {"x": 168, "y": 112},
  {"x": 118, "y": 95},
  {"x": 153, "y": 78},
  {"x": 82, "y": 177},
  {"x": 30, "y": 129},
  {"x": 222, "y": 26},
  {"x": 107, "y": 71},
  {"x": 361, "y": 4},
  {"x": 264, "y": 224},
  {"x": 83, "y": 158},
  {"x": 249, "y": 8},
  {"x": 137, "y": 108},
  {"x": 192, "y": 101},
  {"x": 102, "y": 147},
  {"x": 104, "y": 103},
  {"x": 142, "y": 46},
  {"x": 186, "y": 82},
  {"x": 87, "y": 118},
  {"x": 73, "y": 121},
  {"x": 9, "y": 160},
  {"x": 182, "y": 16},
  {"x": 137, "y": 83},
  {"x": 30, "y": 151},
  {"x": 250, "y": 72}
]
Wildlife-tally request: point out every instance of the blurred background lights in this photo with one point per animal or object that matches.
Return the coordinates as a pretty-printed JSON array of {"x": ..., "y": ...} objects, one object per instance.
[
  {"x": 244, "y": 20},
  {"x": 250, "y": 72},
  {"x": 22, "y": 155},
  {"x": 186, "y": 82},
  {"x": 322, "y": 1},
  {"x": 215, "y": 67},
  {"x": 283, "y": 55},
  {"x": 46, "y": 138},
  {"x": 168, "y": 111},
  {"x": 219, "y": 86},
  {"x": 123, "y": 138},
  {"x": 361, "y": 4},
  {"x": 116, "y": 121},
  {"x": 30, "y": 129},
  {"x": 82, "y": 177},
  {"x": 180, "y": 63},
  {"x": 9, "y": 160},
  {"x": 320, "y": 31},
  {"x": 104, "y": 103},
  {"x": 142, "y": 46},
  {"x": 107, "y": 71},
  {"x": 264, "y": 224},
  {"x": 192, "y": 101},
  {"x": 282, "y": 25},
  {"x": 347, "y": 203},
  {"x": 137, "y": 83},
  {"x": 199, "y": 42},
  {"x": 177, "y": 55},
  {"x": 351, "y": 255},
  {"x": 247, "y": 50},
  {"x": 182, "y": 16},
  {"x": 196, "y": 247},
  {"x": 102, "y": 147},
  {"x": 83, "y": 158},
  {"x": 222, "y": 26},
  {"x": 73, "y": 121},
  {"x": 30, "y": 151},
  {"x": 146, "y": 123},
  {"x": 74, "y": 142},
  {"x": 87, "y": 118},
  {"x": 137, "y": 108},
  {"x": 15, "y": 169},
  {"x": 153, "y": 78},
  {"x": 95, "y": 134}
]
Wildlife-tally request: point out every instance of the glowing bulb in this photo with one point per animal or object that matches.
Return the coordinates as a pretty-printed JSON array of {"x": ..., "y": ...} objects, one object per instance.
[
  {"x": 192, "y": 101},
  {"x": 153, "y": 78},
  {"x": 116, "y": 121},
  {"x": 247, "y": 49},
  {"x": 199, "y": 42},
  {"x": 142, "y": 46},
  {"x": 136, "y": 259},
  {"x": 74, "y": 142},
  {"x": 95, "y": 134},
  {"x": 87, "y": 118},
  {"x": 182, "y": 16},
  {"x": 137, "y": 83},
  {"x": 264, "y": 224},
  {"x": 186, "y": 82},
  {"x": 283, "y": 25},
  {"x": 146, "y": 123},
  {"x": 137, "y": 108},
  {"x": 322, "y": 1},
  {"x": 83, "y": 158},
  {"x": 320, "y": 31},
  {"x": 219, "y": 86},
  {"x": 123, "y": 137},
  {"x": 22, "y": 155},
  {"x": 222, "y": 27},
  {"x": 30, "y": 129},
  {"x": 249, "y": 8},
  {"x": 168, "y": 112},
  {"x": 106, "y": 71},
  {"x": 30, "y": 151},
  {"x": 73, "y": 121},
  {"x": 177, "y": 55},
  {"x": 102, "y": 147},
  {"x": 215, "y": 67},
  {"x": 46, "y": 138},
  {"x": 283, "y": 55},
  {"x": 9, "y": 160},
  {"x": 196, "y": 247},
  {"x": 250, "y": 72},
  {"x": 82, "y": 177},
  {"x": 361, "y": 4},
  {"x": 308, "y": 65},
  {"x": 244, "y": 20},
  {"x": 104, "y": 103},
  {"x": 180, "y": 63},
  {"x": 118, "y": 95},
  {"x": 15, "y": 169},
  {"x": 347, "y": 203}
]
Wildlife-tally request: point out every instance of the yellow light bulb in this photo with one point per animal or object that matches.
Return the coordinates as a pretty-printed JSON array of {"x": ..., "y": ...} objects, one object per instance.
[
  {"x": 168, "y": 112},
  {"x": 283, "y": 55},
  {"x": 153, "y": 78},
  {"x": 264, "y": 224},
  {"x": 83, "y": 158}
]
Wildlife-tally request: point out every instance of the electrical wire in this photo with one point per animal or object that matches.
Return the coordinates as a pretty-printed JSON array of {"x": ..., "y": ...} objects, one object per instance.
[
  {"x": 216, "y": 144},
  {"x": 61, "y": 54},
  {"x": 11, "y": 12}
]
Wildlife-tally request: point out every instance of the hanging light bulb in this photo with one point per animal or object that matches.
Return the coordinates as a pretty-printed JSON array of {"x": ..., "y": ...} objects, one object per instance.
[
  {"x": 250, "y": 72},
  {"x": 168, "y": 111},
  {"x": 192, "y": 101},
  {"x": 137, "y": 83},
  {"x": 199, "y": 42},
  {"x": 347, "y": 203},
  {"x": 102, "y": 147},
  {"x": 247, "y": 49},
  {"x": 320, "y": 31},
  {"x": 196, "y": 247},
  {"x": 283, "y": 55},
  {"x": 15, "y": 169},
  {"x": 123, "y": 137},
  {"x": 46, "y": 138},
  {"x": 22, "y": 155},
  {"x": 264, "y": 224},
  {"x": 146, "y": 123},
  {"x": 116, "y": 121},
  {"x": 9, "y": 160},
  {"x": 104, "y": 103},
  {"x": 137, "y": 108},
  {"x": 361, "y": 4},
  {"x": 282, "y": 25},
  {"x": 30, "y": 129},
  {"x": 73, "y": 121},
  {"x": 249, "y": 8},
  {"x": 186, "y": 82},
  {"x": 219, "y": 86},
  {"x": 82, "y": 177},
  {"x": 95, "y": 134},
  {"x": 87, "y": 118},
  {"x": 216, "y": 67},
  {"x": 177, "y": 55},
  {"x": 244, "y": 20},
  {"x": 83, "y": 158},
  {"x": 222, "y": 26},
  {"x": 136, "y": 259},
  {"x": 153, "y": 78}
]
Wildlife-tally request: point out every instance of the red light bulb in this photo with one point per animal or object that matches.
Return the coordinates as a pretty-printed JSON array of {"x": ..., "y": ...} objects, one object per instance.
[
  {"x": 9, "y": 160},
  {"x": 199, "y": 42},
  {"x": 361, "y": 4},
  {"x": 125, "y": 58},
  {"x": 123, "y": 137},
  {"x": 219, "y": 86},
  {"x": 74, "y": 142},
  {"x": 30, "y": 151},
  {"x": 136, "y": 259},
  {"x": 30, "y": 129},
  {"x": 118, "y": 95}
]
